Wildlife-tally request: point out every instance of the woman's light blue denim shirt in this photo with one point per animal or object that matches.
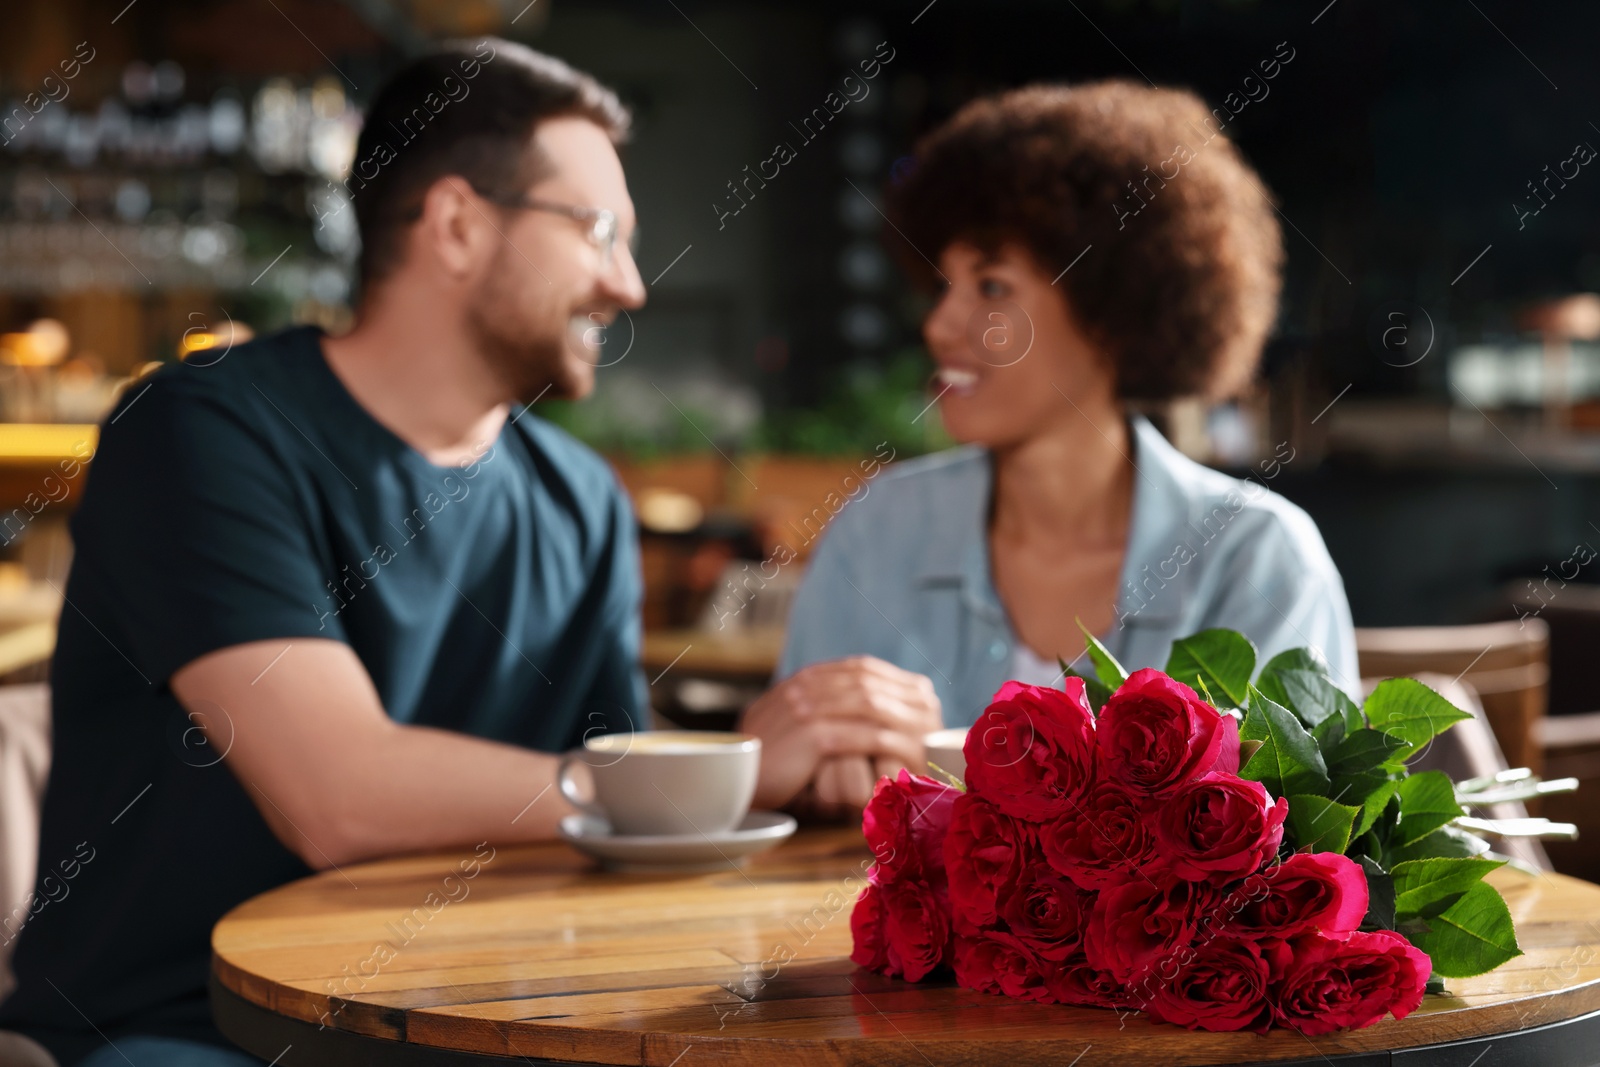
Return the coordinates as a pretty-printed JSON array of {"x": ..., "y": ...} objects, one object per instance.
[{"x": 903, "y": 574}]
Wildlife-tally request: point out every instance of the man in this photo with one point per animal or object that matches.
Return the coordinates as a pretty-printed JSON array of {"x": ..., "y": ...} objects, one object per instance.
[{"x": 332, "y": 601}]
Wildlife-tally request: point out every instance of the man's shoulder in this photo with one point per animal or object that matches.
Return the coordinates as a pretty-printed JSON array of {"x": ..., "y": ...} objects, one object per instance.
[
  {"x": 203, "y": 410},
  {"x": 239, "y": 379}
]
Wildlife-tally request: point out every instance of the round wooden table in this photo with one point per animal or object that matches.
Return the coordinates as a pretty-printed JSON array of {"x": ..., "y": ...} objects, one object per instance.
[{"x": 534, "y": 953}]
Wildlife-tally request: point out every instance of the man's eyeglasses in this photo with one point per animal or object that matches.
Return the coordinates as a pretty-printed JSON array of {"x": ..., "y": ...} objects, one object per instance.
[{"x": 601, "y": 222}]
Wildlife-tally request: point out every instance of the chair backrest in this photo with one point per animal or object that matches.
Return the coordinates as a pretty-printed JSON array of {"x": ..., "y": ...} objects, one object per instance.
[
  {"x": 1506, "y": 663},
  {"x": 1469, "y": 750},
  {"x": 1572, "y": 613},
  {"x": 745, "y": 598},
  {"x": 19, "y": 1051},
  {"x": 1571, "y": 746},
  {"x": 24, "y": 766}
]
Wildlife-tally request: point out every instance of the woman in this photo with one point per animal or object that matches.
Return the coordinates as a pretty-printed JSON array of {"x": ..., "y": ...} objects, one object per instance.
[{"x": 1090, "y": 248}]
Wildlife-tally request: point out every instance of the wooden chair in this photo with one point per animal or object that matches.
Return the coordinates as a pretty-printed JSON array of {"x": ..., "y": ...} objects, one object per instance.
[
  {"x": 24, "y": 766},
  {"x": 25, "y": 651},
  {"x": 1506, "y": 663},
  {"x": 19, "y": 1051},
  {"x": 1571, "y": 749}
]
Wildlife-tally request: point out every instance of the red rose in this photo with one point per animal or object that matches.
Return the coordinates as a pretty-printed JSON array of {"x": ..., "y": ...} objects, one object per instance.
[
  {"x": 1104, "y": 847},
  {"x": 1046, "y": 911},
  {"x": 905, "y": 823},
  {"x": 1308, "y": 891},
  {"x": 1221, "y": 985},
  {"x": 1325, "y": 984},
  {"x": 868, "y": 933},
  {"x": 1136, "y": 929},
  {"x": 1155, "y": 734},
  {"x": 1076, "y": 981},
  {"x": 917, "y": 925},
  {"x": 1219, "y": 828},
  {"x": 994, "y": 962},
  {"x": 984, "y": 851},
  {"x": 1031, "y": 753}
]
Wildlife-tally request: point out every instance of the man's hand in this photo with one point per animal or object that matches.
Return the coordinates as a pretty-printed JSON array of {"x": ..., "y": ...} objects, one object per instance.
[{"x": 870, "y": 714}]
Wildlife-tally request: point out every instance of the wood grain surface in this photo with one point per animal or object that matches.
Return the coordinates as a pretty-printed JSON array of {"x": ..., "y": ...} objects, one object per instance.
[{"x": 535, "y": 952}]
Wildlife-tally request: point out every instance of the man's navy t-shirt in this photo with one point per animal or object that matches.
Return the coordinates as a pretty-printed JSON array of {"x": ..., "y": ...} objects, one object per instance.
[{"x": 254, "y": 499}]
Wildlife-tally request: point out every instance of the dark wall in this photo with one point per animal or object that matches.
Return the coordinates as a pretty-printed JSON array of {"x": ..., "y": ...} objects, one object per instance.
[{"x": 1397, "y": 141}]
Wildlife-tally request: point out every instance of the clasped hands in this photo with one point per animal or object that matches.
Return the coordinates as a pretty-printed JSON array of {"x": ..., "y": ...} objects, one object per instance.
[{"x": 831, "y": 729}]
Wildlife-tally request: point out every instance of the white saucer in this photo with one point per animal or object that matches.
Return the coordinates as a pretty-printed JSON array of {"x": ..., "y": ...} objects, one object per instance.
[{"x": 759, "y": 831}]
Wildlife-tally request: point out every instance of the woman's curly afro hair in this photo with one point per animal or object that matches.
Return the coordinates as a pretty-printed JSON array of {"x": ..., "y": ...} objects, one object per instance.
[{"x": 1180, "y": 285}]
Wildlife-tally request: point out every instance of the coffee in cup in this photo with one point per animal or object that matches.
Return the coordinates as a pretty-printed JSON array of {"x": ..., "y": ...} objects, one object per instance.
[{"x": 666, "y": 781}]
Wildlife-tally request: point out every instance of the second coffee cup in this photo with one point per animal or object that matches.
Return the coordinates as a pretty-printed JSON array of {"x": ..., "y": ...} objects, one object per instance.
[{"x": 666, "y": 781}]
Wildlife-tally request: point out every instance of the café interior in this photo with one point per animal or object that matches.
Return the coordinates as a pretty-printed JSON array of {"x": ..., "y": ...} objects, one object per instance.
[{"x": 172, "y": 185}]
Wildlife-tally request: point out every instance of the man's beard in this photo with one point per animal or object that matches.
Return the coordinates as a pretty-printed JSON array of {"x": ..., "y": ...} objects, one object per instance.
[{"x": 524, "y": 342}]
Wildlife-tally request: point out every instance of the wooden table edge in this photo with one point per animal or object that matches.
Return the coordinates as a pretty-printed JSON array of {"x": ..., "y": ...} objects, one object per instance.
[
  {"x": 1562, "y": 1030},
  {"x": 292, "y": 1042}
]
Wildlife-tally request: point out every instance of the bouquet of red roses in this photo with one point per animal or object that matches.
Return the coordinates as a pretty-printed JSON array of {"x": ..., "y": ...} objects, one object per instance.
[{"x": 1120, "y": 842}]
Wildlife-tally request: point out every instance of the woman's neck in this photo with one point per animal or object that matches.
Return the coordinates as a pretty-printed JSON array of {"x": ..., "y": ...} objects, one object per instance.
[{"x": 1071, "y": 486}]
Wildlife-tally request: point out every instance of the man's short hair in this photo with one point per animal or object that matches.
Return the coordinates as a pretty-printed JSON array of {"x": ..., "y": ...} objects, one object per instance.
[
  {"x": 467, "y": 109},
  {"x": 1182, "y": 284}
]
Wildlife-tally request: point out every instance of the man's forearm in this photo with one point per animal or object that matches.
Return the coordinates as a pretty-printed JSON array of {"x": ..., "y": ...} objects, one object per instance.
[
  {"x": 419, "y": 788},
  {"x": 337, "y": 780}
]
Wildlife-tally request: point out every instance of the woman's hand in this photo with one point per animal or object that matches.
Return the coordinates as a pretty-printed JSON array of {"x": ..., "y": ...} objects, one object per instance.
[
  {"x": 861, "y": 712},
  {"x": 844, "y": 784}
]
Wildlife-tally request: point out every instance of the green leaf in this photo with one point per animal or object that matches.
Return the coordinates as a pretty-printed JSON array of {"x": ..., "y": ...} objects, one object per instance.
[
  {"x": 1302, "y": 659},
  {"x": 1471, "y": 936},
  {"x": 1314, "y": 698},
  {"x": 1380, "y": 896},
  {"x": 1372, "y": 805},
  {"x": 1093, "y": 688},
  {"x": 1319, "y": 825},
  {"x": 1421, "y": 883},
  {"x": 1365, "y": 749},
  {"x": 1411, "y": 711},
  {"x": 1288, "y": 761},
  {"x": 1112, "y": 674},
  {"x": 1447, "y": 841},
  {"x": 1295, "y": 659},
  {"x": 1221, "y": 660},
  {"x": 1427, "y": 802},
  {"x": 1329, "y": 734}
]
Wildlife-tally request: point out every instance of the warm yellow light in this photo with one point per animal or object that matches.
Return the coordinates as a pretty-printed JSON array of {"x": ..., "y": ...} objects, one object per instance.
[
  {"x": 52, "y": 339},
  {"x": 22, "y": 442},
  {"x": 23, "y": 350},
  {"x": 226, "y": 335},
  {"x": 668, "y": 511},
  {"x": 44, "y": 344},
  {"x": 197, "y": 342}
]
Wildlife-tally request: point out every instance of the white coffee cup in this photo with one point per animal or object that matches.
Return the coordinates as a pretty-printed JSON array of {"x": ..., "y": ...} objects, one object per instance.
[
  {"x": 945, "y": 747},
  {"x": 666, "y": 781}
]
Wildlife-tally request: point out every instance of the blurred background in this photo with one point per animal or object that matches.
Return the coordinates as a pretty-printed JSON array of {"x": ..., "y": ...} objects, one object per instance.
[{"x": 171, "y": 182}]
